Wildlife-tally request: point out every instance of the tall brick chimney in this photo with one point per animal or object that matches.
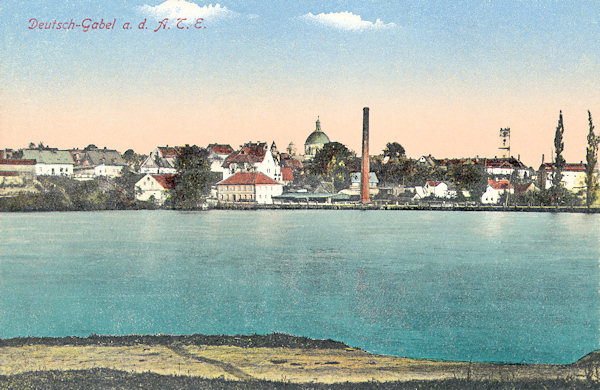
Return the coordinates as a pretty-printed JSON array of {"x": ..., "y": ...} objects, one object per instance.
[{"x": 365, "y": 168}]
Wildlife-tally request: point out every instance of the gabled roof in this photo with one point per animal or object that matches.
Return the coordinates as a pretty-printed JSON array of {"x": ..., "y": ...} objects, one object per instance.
[
  {"x": 17, "y": 162},
  {"x": 168, "y": 151},
  {"x": 521, "y": 188},
  {"x": 290, "y": 162},
  {"x": 287, "y": 174},
  {"x": 48, "y": 156},
  {"x": 220, "y": 148},
  {"x": 255, "y": 178},
  {"x": 500, "y": 184},
  {"x": 166, "y": 181},
  {"x": 433, "y": 183},
  {"x": 570, "y": 167},
  {"x": 250, "y": 153},
  {"x": 107, "y": 157}
]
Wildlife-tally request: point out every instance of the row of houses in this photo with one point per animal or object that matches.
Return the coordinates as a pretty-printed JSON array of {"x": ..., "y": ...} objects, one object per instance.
[{"x": 81, "y": 164}]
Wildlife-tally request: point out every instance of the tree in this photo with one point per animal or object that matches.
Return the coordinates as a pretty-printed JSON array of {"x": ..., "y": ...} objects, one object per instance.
[
  {"x": 591, "y": 158},
  {"x": 471, "y": 177},
  {"x": 193, "y": 179},
  {"x": 394, "y": 150},
  {"x": 332, "y": 163},
  {"x": 559, "y": 161}
]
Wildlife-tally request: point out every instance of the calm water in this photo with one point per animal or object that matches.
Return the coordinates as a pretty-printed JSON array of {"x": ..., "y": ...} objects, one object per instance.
[{"x": 515, "y": 287}]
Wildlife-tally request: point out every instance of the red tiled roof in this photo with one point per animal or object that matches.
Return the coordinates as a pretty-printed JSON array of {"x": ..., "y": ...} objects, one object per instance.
[
  {"x": 167, "y": 151},
  {"x": 248, "y": 178},
  {"x": 498, "y": 164},
  {"x": 253, "y": 153},
  {"x": 572, "y": 167},
  {"x": 289, "y": 162},
  {"x": 500, "y": 184},
  {"x": 287, "y": 174},
  {"x": 521, "y": 188},
  {"x": 17, "y": 162},
  {"x": 433, "y": 183},
  {"x": 221, "y": 149},
  {"x": 166, "y": 181}
]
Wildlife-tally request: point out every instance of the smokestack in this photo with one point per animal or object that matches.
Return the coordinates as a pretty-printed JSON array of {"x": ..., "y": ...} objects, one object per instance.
[{"x": 365, "y": 168}]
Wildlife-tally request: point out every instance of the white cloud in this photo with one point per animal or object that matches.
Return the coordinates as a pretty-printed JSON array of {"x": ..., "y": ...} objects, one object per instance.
[
  {"x": 346, "y": 21},
  {"x": 174, "y": 9}
]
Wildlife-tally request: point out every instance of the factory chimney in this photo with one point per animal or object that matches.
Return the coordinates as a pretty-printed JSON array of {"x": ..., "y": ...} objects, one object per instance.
[{"x": 365, "y": 168}]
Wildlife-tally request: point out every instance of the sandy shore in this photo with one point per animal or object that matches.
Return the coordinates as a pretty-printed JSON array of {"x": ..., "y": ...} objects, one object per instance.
[{"x": 261, "y": 359}]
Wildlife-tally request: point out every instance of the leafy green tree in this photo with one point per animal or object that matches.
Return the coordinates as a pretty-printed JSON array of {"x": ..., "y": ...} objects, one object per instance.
[
  {"x": 471, "y": 177},
  {"x": 591, "y": 158},
  {"x": 559, "y": 161},
  {"x": 193, "y": 179},
  {"x": 394, "y": 150},
  {"x": 133, "y": 160},
  {"x": 333, "y": 163}
]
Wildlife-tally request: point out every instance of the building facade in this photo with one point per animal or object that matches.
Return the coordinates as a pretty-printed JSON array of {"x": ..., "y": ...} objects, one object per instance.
[{"x": 248, "y": 187}]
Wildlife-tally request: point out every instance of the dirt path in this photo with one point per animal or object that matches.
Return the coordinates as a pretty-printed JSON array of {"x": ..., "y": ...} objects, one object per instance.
[{"x": 228, "y": 368}]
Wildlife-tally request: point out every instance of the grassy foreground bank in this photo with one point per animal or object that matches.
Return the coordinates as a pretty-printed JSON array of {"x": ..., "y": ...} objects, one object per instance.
[{"x": 258, "y": 362}]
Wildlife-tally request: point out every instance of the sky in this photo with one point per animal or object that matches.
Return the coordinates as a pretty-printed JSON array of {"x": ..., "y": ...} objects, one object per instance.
[{"x": 439, "y": 77}]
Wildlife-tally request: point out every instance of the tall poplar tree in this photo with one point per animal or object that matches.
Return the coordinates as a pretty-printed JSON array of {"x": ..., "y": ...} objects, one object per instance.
[
  {"x": 591, "y": 158},
  {"x": 559, "y": 161}
]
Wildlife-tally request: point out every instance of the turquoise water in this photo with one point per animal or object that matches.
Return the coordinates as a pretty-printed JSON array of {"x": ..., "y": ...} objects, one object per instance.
[{"x": 513, "y": 287}]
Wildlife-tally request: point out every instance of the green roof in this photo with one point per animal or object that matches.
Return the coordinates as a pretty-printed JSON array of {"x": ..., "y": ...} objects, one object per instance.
[
  {"x": 106, "y": 157},
  {"x": 50, "y": 156},
  {"x": 310, "y": 195},
  {"x": 317, "y": 137}
]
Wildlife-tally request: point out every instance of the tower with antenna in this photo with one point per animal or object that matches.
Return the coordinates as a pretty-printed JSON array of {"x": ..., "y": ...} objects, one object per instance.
[{"x": 505, "y": 137}]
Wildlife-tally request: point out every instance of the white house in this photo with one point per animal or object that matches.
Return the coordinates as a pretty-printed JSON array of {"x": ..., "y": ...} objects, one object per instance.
[
  {"x": 253, "y": 187},
  {"x": 573, "y": 176},
  {"x": 506, "y": 167},
  {"x": 154, "y": 187},
  {"x": 50, "y": 162},
  {"x": 439, "y": 189},
  {"x": 217, "y": 154},
  {"x": 495, "y": 190},
  {"x": 160, "y": 161},
  {"x": 96, "y": 162},
  {"x": 253, "y": 157}
]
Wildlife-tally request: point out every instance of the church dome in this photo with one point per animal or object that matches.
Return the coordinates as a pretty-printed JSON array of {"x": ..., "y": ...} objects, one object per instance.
[{"x": 317, "y": 137}]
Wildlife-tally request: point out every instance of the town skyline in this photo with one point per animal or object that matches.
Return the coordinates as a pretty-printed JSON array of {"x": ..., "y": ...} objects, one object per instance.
[{"x": 439, "y": 79}]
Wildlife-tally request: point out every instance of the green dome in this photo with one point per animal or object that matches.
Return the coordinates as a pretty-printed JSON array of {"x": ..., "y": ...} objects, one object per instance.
[{"x": 317, "y": 137}]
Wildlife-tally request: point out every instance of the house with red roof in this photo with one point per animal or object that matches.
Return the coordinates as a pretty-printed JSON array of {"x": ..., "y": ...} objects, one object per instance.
[
  {"x": 248, "y": 187},
  {"x": 154, "y": 188},
  {"x": 287, "y": 175},
  {"x": 506, "y": 166},
  {"x": 573, "y": 176},
  {"x": 161, "y": 160},
  {"x": 252, "y": 157},
  {"x": 495, "y": 190},
  {"x": 217, "y": 154},
  {"x": 16, "y": 173}
]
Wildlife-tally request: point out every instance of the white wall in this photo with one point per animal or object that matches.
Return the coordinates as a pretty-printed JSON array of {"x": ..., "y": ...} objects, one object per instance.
[
  {"x": 54, "y": 169},
  {"x": 147, "y": 187},
  {"x": 264, "y": 192}
]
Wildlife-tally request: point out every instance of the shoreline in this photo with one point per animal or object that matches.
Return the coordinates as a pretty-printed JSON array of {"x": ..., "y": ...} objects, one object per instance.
[
  {"x": 342, "y": 206},
  {"x": 262, "y": 361}
]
